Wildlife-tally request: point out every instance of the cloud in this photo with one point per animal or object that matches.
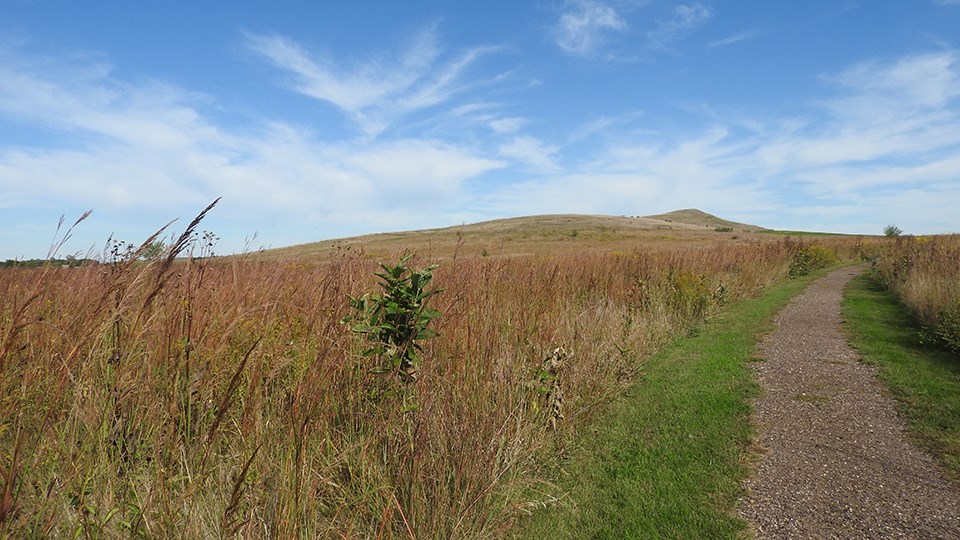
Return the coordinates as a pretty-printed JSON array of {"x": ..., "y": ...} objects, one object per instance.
[
  {"x": 883, "y": 148},
  {"x": 691, "y": 15},
  {"x": 152, "y": 113},
  {"x": 685, "y": 19},
  {"x": 157, "y": 151},
  {"x": 580, "y": 193},
  {"x": 506, "y": 125},
  {"x": 844, "y": 181},
  {"x": 418, "y": 167},
  {"x": 354, "y": 89},
  {"x": 532, "y": 153},
  {"x": 892, "y": 127},
  {"x": 376, "y": 91},
  {"x": 883, "y": 110},
  {"x": 736, "y": 38},
  {"x": 583, "y": 28},
  {"x": 443, "y": 83},
  {"x": 923, "y": 80},
  {"x": 604, "y": 125}
]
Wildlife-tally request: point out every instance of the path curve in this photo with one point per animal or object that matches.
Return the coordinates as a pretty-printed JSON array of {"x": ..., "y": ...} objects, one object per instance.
[{"x": 835, "y": 461}]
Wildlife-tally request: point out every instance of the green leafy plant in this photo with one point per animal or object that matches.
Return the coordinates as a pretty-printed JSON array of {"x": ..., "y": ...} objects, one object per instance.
[
  {"x": 947, "y": 330},
  {"x": 809, "y": 257},
  {"x": 395, "y": 321}
]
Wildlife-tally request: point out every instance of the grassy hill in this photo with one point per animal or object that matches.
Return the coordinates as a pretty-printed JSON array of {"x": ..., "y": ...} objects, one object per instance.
[
  {"x": 692, "y": 216},
  {"x": 538, "y": 234}
]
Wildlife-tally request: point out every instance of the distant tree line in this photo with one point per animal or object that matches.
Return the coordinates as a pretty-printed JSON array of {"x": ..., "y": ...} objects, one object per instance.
[
  {"x": 115, "y": 252},
  {"x": 36, "y": 263}
]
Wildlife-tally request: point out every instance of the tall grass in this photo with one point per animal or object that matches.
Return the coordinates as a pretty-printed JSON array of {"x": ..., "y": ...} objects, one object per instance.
[
  {"x": 925, "y": 273},
  {"x": 189, "y": 397}
]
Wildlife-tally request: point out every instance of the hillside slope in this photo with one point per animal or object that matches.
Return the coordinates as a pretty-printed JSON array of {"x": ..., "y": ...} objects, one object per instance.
[
  {"x": 692, "y": 216},
  {"x": 536, "y": 234}
]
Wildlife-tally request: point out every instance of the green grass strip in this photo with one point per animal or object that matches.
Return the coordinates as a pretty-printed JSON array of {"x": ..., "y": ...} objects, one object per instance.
[
  {"x": 667, "y": 459},
  {"x": 924, "y": 379}
]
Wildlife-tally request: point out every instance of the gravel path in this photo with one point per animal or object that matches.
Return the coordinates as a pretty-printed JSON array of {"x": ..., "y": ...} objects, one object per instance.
[{"x": 835, "y": 461}]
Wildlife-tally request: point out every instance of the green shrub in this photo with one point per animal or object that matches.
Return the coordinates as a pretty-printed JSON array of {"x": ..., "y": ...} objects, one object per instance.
[
  {"x": 394, "y": 322},
  {"x": 947, "y": 330},
  {"x": 809, "y": 257}
]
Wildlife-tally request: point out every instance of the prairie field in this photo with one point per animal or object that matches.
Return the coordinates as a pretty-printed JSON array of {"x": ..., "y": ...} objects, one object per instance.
[
  {"x": 924, "y": 272},
  {"x": 179, "y": 396}
]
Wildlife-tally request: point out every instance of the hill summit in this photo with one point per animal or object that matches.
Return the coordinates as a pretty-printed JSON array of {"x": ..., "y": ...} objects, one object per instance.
[{"x": 693, "y": 216}]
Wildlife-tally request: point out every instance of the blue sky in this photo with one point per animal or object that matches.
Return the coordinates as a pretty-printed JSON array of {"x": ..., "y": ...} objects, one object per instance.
[{"x": 317, "y": 120}]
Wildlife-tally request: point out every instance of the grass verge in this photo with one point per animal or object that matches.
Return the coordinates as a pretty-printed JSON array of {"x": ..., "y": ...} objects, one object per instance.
[
  {"x": 666, "y": 460},
  {"x": 924, "y": 379}
]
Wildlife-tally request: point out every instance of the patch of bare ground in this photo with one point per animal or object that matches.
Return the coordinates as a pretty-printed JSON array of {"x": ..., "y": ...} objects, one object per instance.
[{"x": 834, "y": 459}]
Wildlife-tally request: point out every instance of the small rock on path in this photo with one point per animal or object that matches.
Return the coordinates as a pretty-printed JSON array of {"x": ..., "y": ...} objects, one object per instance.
[{"x": 835, "y": 459}]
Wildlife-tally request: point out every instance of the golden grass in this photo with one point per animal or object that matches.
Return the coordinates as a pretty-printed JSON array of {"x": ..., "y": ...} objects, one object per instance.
[
  {"x": 202, "y": 398},
  {"x": 925, "y": 273}
]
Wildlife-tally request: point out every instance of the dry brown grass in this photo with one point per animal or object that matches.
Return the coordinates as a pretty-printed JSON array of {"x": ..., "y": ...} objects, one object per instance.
[
  {"x": 203, "y": 398},
  {"x": 925, "y": 273}
]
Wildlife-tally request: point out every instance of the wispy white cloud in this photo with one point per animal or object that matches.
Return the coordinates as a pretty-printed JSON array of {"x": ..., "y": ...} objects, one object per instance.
[
  {"x": 586, "y": 26},
  {"x": 596, "y": 193},
  {"x": 739, "y": 37},
  {"x": 924, "y": 80},
  {"x": 691, "y": 16},
  {"x": 443, "y": 83},
  {"x": 417, "y": 167},
  {"x": 506, "y": 125},
  {"x": 582, "y": 28},
  {"x": 157, "y": 150},
  {"x": 355, "y": 88},
  {"x": 892, "y": 129},
  {"x": 882, "y": 110},
  {"x": 604, "y": 125},
  {"x": 532, "y": 153},
  {"x": 685, "y": 19},
  {"x": 376, "y": 91},
  {"x": 891, "y": 126},
  {"x": 152, "y": 113}
]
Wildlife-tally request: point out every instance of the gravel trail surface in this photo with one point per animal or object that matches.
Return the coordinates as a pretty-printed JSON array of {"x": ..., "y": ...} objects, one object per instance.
[{"x": 834, "y": 457}]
